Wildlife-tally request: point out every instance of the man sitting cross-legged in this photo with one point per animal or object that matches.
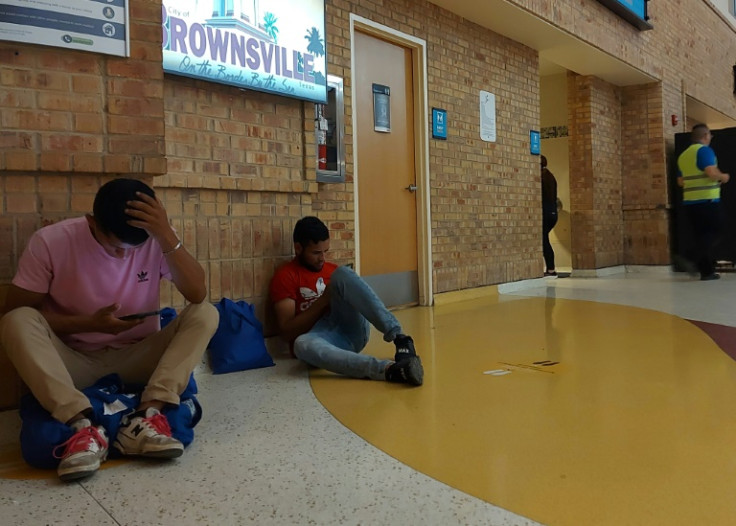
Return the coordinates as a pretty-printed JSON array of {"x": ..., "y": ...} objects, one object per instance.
[{"x": 65, "y": 327}]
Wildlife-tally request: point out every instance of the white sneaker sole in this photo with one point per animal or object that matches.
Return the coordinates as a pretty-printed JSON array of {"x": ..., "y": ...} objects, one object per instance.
[{"x": 165, "y": 452}]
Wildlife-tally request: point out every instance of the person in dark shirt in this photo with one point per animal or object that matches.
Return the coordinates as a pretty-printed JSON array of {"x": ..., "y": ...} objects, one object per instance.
[{"x": 549, "y": 216}]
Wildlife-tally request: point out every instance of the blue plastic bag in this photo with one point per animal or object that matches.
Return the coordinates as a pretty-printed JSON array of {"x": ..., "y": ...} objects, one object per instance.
[
  {"x": 167, "y": 315},
  {"x": 40, "y": 433},
  {"x": 238, "y": 343}
]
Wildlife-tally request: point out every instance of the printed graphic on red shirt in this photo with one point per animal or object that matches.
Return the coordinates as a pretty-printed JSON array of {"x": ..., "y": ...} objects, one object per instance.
[
  {"x": 300, "y": 284},
  {"x": 309, "y": 296}
]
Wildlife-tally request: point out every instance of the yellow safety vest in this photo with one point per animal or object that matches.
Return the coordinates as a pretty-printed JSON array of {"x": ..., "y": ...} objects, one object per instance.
[{"x": 697, "y": 185}]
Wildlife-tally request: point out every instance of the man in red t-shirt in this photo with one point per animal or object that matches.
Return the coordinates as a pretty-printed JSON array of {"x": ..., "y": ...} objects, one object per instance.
[{"x": 325, "y": 312}]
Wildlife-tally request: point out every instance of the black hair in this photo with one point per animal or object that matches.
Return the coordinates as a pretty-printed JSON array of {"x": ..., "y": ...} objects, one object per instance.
[
  {"x": 109, "y": 209},
  {"x": 310, "y": 229}
]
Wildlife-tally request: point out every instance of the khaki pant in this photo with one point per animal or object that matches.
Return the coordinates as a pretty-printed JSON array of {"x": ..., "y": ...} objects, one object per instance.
[{"x": 55, "y": 373}]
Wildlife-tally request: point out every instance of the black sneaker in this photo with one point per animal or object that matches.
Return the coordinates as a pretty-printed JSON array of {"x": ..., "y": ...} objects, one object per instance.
[
  {"x": 407, "y": 371},
  {"x": 710, "y": 277},
  {"x": 404, "y": 347}
]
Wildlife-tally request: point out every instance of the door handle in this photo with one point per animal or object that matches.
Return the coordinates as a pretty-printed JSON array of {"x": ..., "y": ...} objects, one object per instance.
[{"x": 412, "y": 188}]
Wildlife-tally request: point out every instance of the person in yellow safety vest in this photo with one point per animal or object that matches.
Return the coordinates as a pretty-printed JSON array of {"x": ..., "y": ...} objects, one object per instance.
[{"x": 701, "y": 181}]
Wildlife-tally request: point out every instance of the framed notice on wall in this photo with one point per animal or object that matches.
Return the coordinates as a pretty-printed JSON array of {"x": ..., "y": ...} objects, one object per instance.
[
  {"x": 381, "y": 108},
  {"x": 100, "y": 27},
  {"x": 277, "y": 46},
  {"x": 487, "y": 116}
]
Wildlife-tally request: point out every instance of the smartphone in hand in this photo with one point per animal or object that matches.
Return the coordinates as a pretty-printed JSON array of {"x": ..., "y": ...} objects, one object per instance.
[{"x": 140, "y": 315}]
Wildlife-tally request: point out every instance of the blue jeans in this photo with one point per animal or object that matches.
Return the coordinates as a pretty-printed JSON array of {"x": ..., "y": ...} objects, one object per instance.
[{"x": 335, "y": 341}]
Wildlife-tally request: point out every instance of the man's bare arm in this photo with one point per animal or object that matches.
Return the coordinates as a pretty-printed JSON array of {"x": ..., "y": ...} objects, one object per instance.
[
  {"x": 103, "y": 320},
  {"x": 186, "y": 273},
  {"x": 292, "y": 325},
  {"x": 18, "y": 297},
  {"x": 716, "y": 175}
]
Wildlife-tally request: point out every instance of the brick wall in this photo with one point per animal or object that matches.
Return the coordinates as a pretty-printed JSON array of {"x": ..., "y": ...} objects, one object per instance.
[
  {"x": 485, "y": 222},
  {"x": 75, "y": 112},
  {"x": 690, "y": 52},
  {"x": 645, "y": 182},
  {"x": 241, "y": 166},
  {"x": 607, "y": 177},
  {"x": 253, "y": 156},
  {"x": 235, "y": 169},
  {"x": 70, "y": 121},
  {"x": 235, "y": 183}
]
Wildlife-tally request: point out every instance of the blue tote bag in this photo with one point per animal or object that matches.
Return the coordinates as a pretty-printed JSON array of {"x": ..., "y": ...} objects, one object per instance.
[{"x": 238, "y": 343}]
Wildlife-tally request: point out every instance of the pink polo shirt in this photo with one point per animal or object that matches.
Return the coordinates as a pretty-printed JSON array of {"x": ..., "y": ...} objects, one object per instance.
[{"x": 65, "y": 262}]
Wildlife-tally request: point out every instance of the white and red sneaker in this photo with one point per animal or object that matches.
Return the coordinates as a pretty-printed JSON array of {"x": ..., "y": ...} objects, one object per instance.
[
  {"x": 147, "y": 435},
  {"x": 83, "y": 453}
]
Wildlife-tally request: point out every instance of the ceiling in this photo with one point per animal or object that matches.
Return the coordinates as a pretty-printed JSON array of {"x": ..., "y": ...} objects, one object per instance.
[
  {"x": 558, "y": 50},
  {"x": 699, "y": 112}
]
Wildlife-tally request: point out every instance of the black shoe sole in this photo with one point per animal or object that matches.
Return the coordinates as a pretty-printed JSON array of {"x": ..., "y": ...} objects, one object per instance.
[
  {"x": 409, "y": 371},
  {"x": 415, "y": 373}
]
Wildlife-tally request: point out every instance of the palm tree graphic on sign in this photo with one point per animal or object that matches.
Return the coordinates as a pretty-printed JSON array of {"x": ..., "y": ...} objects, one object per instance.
[
  {"x": 316, "y": 47},
  {"x": 269, "y": 26}
]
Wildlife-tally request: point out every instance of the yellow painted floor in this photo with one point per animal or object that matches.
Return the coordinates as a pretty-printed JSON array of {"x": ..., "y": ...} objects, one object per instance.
[{"x": 564, "y": 411}]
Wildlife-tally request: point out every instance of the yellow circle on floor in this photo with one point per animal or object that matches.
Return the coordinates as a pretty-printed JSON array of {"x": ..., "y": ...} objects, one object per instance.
[{"x": 563, "y": 411}]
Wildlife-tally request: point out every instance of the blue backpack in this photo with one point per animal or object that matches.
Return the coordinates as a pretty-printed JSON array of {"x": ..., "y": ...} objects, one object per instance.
[{"x": 40, "y": 433}]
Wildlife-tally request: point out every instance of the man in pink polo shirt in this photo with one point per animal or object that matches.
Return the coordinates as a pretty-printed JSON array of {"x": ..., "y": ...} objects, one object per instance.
[{"x": 66, "y": 324}]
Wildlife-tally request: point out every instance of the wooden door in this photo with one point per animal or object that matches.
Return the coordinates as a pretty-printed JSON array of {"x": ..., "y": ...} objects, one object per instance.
[{"x": 386, "y": 175}]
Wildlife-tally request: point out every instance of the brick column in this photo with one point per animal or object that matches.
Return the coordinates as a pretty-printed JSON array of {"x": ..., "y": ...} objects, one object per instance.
[
  {"x": 595, "y": 172},
  {"x": 646, "y": 215}
]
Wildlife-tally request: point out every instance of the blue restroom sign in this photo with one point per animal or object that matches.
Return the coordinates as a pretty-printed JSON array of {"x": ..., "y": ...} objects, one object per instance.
[
  {"x": 534, "y": 142},
  {"x": 439, "y": 123}
]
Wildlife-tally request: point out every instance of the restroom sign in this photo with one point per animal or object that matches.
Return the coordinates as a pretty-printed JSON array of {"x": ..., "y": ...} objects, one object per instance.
[{"x": 439, "y": 123}]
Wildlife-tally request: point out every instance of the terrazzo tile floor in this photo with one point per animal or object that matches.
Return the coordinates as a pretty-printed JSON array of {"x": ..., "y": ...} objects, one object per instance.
[{"x": 276, "y": 447}]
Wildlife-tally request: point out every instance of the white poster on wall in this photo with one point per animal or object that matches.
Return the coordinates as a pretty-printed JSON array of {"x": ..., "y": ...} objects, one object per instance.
[
  {"x": 276, "y": 46},
  {"x": 487, "y": 116},
  {"x": 100, "y": 26}
]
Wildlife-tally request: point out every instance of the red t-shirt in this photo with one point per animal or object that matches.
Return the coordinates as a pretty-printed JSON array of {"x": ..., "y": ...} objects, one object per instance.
[{"x": 300, "y": 284}]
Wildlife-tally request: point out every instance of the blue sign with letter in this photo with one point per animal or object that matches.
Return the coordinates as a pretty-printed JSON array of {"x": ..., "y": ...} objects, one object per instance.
[
  {"x": 535, "y": 145},
  {"x": 439, "y": 123}
]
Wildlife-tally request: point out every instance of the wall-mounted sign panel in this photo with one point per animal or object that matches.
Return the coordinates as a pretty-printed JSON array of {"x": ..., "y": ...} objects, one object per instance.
[
  {"x": 487, "y": 116},
  {"x": 381, "y": 108},
  {"x": 97, "y": 26},
  {"x": 633, "y": 11},
  {"x": 276, "y": 46},
  {"x": 535, "y": 142},
  {"x": 439, "y": 123}
]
